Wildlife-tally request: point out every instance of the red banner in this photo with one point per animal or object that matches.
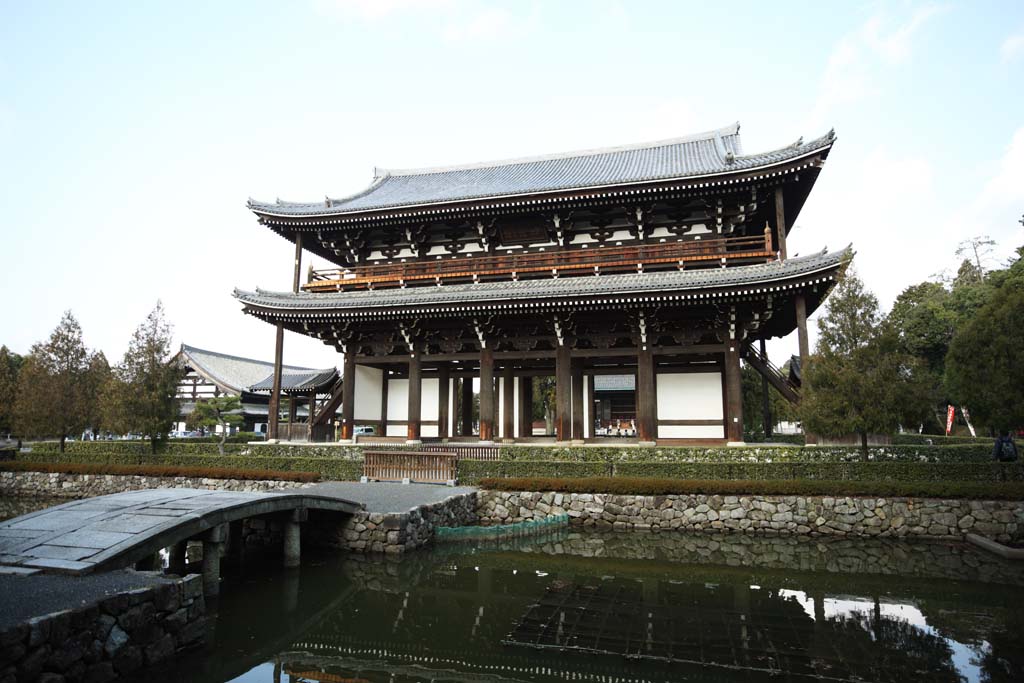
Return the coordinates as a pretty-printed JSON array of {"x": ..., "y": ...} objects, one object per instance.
[{"x": 949, "y": 419}]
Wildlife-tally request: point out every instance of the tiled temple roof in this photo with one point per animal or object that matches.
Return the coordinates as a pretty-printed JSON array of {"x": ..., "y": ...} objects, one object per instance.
[
  {"x": 714, "y": 153},
  {"x": 235, "y": 374},
  {"x": 565, "y": 287}
]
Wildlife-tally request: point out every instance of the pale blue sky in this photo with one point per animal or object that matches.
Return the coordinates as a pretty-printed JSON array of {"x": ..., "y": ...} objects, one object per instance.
[{"x": 132, "y": 133}]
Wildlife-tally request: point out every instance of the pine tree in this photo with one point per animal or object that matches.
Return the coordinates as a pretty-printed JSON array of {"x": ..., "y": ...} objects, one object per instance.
[
  {"x": 223, "y": 411},
  {"x": 858, "y": 380},
  {"x": 140, "y": 396},
  {"x": 53, "y": 397},
  {"x": 10, "y": 366}
]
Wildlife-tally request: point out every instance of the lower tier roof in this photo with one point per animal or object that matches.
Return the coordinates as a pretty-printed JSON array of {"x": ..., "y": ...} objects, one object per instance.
[{"x": 692, "y": 283}]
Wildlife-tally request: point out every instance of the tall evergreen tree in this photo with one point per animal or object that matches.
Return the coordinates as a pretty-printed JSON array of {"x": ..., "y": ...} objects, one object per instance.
[
  {"x": 53, "y": 388},
  {"x": 140, "y": 396},
  {"x": 10, "y": 366},
  {"x": 985, "y": 365},
  {"x": 858, "y": 380}
]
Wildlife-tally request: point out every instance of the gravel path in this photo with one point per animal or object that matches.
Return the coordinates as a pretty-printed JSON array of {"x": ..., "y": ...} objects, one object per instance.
[{"x": 383, "y": 497}]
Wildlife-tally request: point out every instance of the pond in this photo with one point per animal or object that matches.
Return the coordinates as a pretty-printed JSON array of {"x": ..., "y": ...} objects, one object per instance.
[{"x": 625, "y": 607}]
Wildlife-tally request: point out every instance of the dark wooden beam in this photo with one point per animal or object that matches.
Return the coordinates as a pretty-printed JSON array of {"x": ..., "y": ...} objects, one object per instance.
[
  {"x": 443, "y": 401},
  {"x": 577, "y": 400},
  {"x": 780, "y": 223},
  {"x": 298, "y": 262},
  {"x": 591, "y": 417},
  {"x": 766, "y": 411},
  {"x": 415, "y": 398},
  {"x": 563, "y": 390},
  {"x": 274, "y": 407},
  {"x": 733, "y": 394},
  {"x": 466, "y": 405},
  {"x": 525, "y": 406},
  {"x": 348, "y": 395},
  {"x": 487, "y": 394},
  {"x": 646, "y": 400},
  {"x": 384, "y": 381}
]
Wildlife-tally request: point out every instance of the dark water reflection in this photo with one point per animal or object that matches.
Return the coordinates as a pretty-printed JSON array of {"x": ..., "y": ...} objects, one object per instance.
[{"x": 626, "y": 607}]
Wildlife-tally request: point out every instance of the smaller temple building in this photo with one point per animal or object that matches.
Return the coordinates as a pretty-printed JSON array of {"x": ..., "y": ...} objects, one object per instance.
[{"x": 209, "y": 374}]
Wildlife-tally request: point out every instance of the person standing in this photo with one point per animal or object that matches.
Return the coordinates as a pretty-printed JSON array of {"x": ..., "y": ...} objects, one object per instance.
[{"x": 1005, "y": 450}]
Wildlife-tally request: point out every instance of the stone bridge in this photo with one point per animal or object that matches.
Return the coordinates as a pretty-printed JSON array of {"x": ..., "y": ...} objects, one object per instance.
[{"x": 124, "y": 529}]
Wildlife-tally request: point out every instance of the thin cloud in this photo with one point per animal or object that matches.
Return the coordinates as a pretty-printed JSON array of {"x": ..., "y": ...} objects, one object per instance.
[
  {"x": 851, "y": 71},
  {"x": 488, "y": 24},
  {"x": 1012, "y": 47},
  {"x": 372, "y": 10}
]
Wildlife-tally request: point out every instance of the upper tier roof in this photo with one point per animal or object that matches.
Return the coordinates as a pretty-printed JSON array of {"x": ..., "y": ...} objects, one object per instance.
[{"x": 713, "y": 153}]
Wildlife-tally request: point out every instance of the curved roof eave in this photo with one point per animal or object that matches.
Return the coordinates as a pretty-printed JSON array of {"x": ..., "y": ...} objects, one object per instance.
[
  {"x": 327, "y": 208},
  {"x": 795, "y": 268}
]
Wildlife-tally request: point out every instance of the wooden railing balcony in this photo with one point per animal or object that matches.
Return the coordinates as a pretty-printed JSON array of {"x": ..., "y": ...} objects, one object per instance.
[{"x": 591, "y": 261}]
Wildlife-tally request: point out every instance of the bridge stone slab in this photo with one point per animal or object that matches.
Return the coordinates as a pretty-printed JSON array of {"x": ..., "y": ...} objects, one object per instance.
[{"x": 117, "y": 530}]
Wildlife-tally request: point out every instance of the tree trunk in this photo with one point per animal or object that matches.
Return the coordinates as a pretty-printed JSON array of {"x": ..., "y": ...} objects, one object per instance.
[
  {"x": 62, "y": 438},
  {"x": 223, "y": 438},
  {"x": 152, "y": 444},
  {"x": 864, "y": 446}
]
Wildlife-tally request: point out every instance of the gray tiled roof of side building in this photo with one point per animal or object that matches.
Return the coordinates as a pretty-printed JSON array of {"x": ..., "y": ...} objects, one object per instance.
[
  {"x": 512, "y": 290},
  {"x": 711, "y": 153},
  {"x": 299, "y": 382},
  {"x": 235, "y": 373}
]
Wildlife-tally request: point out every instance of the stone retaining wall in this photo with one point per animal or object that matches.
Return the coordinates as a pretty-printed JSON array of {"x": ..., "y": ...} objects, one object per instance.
[
  {"x": 105, "y": 640},
  {"x": 833, "y": 516},
  {"x": 60, "y": 485},
  {"x": 395, "y": 533}
]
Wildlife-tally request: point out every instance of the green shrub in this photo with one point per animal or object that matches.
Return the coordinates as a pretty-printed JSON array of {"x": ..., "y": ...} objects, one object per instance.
[
  {"x": 835, "y": 471},
  {"x": 749, "y": 454},
  {"x": 200, "y": 446},
  {"x": 471, "y": 471},
  {"x": 328, "y": 468},
  {"x": 661, "y": 487},
  {"x": 158, "y": 471},
  {"x": 795, "y": 439},
  {"x": 938, "y": 440}
]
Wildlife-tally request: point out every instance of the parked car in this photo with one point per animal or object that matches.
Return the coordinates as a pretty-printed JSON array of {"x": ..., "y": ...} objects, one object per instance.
[{"x": 365, "y": 430}]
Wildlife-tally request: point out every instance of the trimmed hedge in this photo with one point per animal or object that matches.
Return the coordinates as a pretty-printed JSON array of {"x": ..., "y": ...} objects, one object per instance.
[
  {"x": 662, "y": 487},
  {"x": 977, "y": 453},
  {"x": 473, "y": 471},
  {"x": 795, "y": 439},
  {"x": 938, "y": 440},
  {"x": 338, "y": 469},
  {"x": 158, "y": 471},
  {"x": 198, "y": 447}
]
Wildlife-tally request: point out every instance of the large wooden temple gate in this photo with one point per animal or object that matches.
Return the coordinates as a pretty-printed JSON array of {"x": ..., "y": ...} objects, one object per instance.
[{"x": 665, "y": 261}]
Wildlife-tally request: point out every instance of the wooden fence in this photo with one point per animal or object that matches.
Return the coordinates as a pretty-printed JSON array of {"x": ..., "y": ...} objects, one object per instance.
[{"x": 434, "y": 468}]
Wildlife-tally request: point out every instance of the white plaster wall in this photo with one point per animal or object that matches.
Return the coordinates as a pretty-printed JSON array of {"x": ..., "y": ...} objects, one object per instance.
[
  {"x": 367, "y": 393},
  {"x": 451, "y": 406},
  {"x": 429, "y": 400},
  {"x": 588, "y": 424},
  {"x": 690, "y": 396},
  {"x": 515, "y": 405},
  {"x": 398, "y": 406},
  {"x": 500, "y": 412}
]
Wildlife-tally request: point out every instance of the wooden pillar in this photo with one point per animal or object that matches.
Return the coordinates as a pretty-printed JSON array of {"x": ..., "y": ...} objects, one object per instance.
[
  {"x": 800, "y": 304},
  {"x": 733, "y": 393},
  {"x": 766, "y": 410},
  {"x": 577, "y": 400},
  {"x": 467, "y": 406},
  {"x": 508, "y": 406},
  {"x": 591, "y": 410},
  {"x": 274, "y": 408},
  {"x": 415, "y": 398},
  {"x": 525, "y": 406},
  {"x": 293, "y": 411},
  {"x": 384, "y": 380},
  {"x": 348, "y": 395},
  {"x": 443, "y": 400},
  {"x": 486, "y": 394},
  {"x": 563, "y": 393},
  {"x": 298, "y": 262},
  {"x": 780, "y": 224},
  {"x": 646, "y": 401}
]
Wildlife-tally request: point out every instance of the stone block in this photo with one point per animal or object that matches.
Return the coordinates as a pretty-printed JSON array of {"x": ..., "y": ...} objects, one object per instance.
[{"x": 159, "y": 650}]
